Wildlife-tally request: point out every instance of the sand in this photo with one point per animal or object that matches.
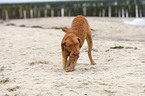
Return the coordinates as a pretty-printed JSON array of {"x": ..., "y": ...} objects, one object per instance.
[{"x": 31, "y": 61}]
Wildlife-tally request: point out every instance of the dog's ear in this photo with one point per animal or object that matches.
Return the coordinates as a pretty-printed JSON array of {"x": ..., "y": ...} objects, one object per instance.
[
  {"x": 79, "y": 42},
  {"x": 63, "y": 44},
  {"x": 65, "y": 30}
]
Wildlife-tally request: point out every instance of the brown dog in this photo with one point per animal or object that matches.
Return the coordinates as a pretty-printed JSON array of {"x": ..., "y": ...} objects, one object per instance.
[{"x": 74, "y": 40}]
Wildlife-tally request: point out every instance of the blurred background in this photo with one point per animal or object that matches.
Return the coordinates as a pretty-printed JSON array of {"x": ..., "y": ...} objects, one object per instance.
[
  {"x": 30, "y": 48},
  {"x": 21, "y": 9}
]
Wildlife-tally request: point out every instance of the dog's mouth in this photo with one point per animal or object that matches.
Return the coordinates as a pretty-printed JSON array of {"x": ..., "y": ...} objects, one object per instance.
[{"x": 76, "y": 55}]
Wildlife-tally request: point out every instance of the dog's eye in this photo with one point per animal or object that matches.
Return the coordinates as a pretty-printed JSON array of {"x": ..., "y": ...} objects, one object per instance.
[
  {"x": 77, "y": 44},
  {"x": 65, "y": 45}
]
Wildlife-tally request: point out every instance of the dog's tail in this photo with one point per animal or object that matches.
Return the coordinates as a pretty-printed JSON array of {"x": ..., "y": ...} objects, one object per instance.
[{"x": 65, "y": 30}]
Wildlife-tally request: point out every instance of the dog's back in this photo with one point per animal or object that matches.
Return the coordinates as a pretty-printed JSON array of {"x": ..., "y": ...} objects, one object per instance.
[{"x": 80, "y": 27}]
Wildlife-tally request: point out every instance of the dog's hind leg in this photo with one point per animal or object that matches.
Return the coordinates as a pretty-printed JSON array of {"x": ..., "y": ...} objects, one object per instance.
[{"x": 90, "y": 45}]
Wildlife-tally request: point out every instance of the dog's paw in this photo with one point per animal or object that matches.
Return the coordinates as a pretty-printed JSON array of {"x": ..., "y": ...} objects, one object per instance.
[
  {"x": 93, "y": 63},
  {"x": 68, "y": 69}
]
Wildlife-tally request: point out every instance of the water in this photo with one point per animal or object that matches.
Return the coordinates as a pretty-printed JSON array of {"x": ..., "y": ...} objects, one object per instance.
[{"x": 137, "y": 22}]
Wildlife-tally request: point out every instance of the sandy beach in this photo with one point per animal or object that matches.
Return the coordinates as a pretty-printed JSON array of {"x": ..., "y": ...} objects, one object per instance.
[{"x": 31, "y": 61}]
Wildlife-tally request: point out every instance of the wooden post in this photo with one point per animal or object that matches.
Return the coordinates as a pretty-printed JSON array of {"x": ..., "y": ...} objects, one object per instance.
[
  {"x": 38, "y": 13},
  {"x": 52, "y": 12},
  {"x": 94, "y": 13},
  {"x": 140, "y": 13},
  {"x": 31, "y": 13},
  {"x": 122, "y": 12},
  {"x": 69, "y": 12},
  {"x": 119, "y": 13},
  {"x": 136, "y": 11},
  {"x": 62, "y": 12},
  {"x": 115, "y": 11},
  {"x": 35, "y": 12},
  {"x": 126, "y": 13},
  {"x": 3, "y": 13},
  {"x": 24, "y": 12},
  {"x": 100, "y": 13},
  {"x": 21, "y": 14},
  {"x": 13, "y": 13},
  {"x": 103, "y": 13},
  {"x": 28, "y": 12},
  {"x": 6, "y": 14},
  {"x": 45, "y": 13},
  {"x": 109, "y": 14},
  {"x": 143, "y": 11},
  {"x": 84, "y": 11},
  {"x": 0, "y": 13},
  {"x": 59, "y": 12}
]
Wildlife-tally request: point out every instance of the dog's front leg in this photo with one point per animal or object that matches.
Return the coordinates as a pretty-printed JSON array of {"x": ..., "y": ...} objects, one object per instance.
[
  {"x": 64, "y": 62},
  {"x": 64, "y": 58}
]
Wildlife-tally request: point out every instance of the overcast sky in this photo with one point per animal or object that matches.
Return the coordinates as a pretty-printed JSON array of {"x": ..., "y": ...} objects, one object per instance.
[{"x": 21, "y": 1}]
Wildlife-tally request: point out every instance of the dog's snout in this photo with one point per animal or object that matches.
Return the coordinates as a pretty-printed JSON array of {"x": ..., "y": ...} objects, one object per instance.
[{"x": 76, "y": 53}]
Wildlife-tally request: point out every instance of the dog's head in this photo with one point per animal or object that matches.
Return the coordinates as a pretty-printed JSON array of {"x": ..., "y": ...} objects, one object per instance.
[{"x": 71, "y": 43}]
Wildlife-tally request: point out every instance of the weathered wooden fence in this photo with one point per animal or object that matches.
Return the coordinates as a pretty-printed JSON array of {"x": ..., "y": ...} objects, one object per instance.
[{"x": 23, "y": 12}]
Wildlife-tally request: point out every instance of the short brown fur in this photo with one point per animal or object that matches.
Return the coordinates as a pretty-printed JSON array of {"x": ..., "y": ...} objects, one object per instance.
[{"x": 74, "y": 40}]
